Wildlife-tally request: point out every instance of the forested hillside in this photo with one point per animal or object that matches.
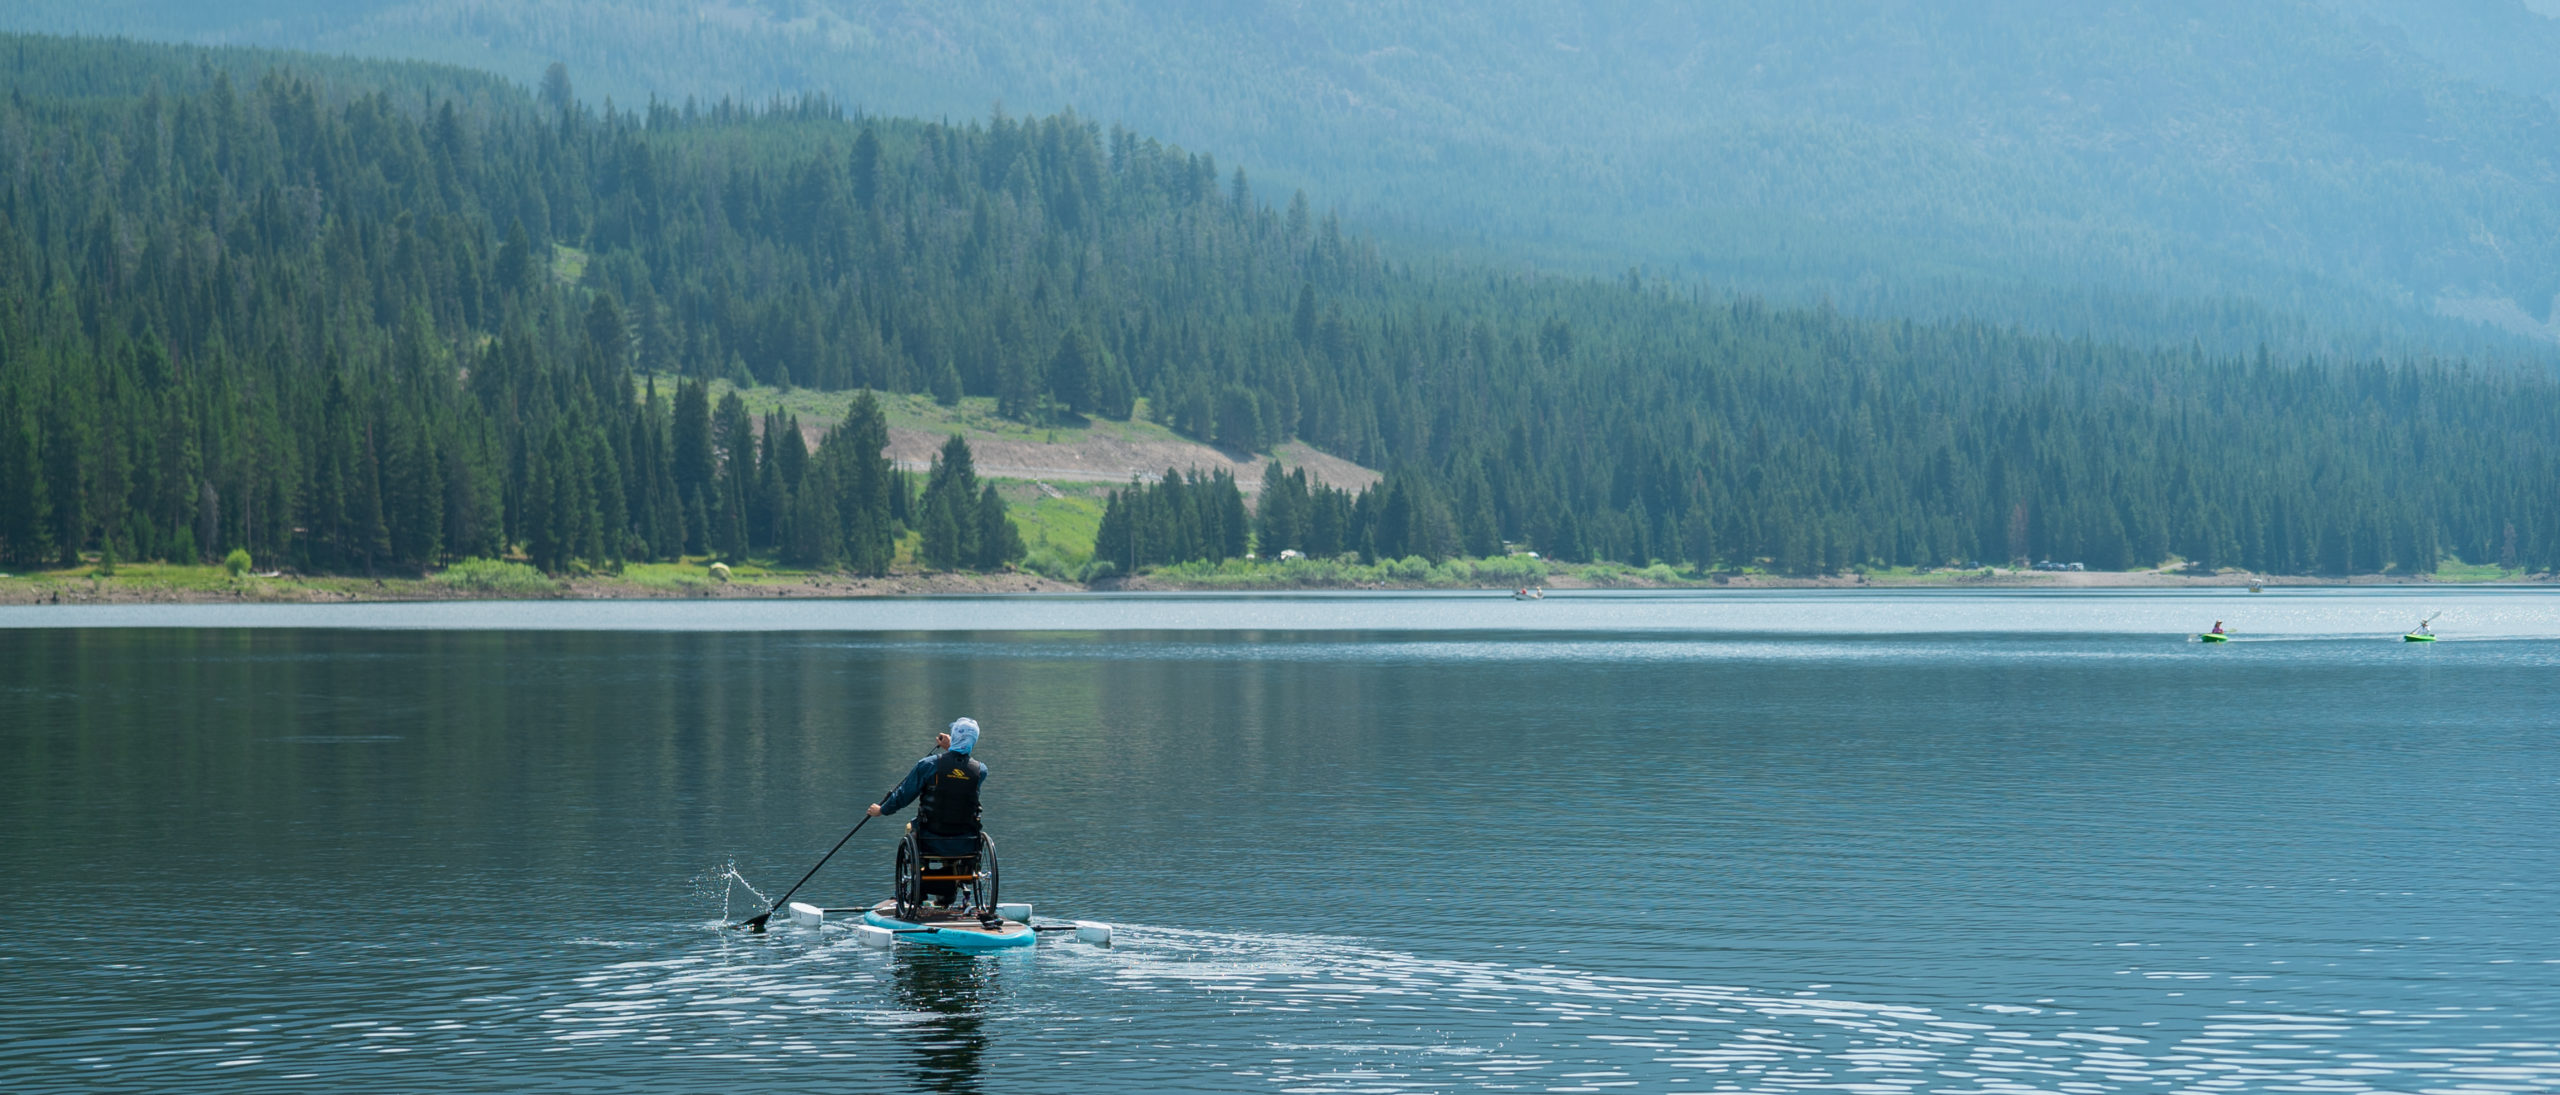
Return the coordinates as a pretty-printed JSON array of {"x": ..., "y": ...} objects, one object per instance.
[
  {"x": 366, "y": 328},
  {"x": 2332, "y": 176}
]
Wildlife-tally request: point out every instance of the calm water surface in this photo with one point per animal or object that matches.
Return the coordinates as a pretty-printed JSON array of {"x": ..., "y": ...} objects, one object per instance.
[{"x": 1836, "y": 841}]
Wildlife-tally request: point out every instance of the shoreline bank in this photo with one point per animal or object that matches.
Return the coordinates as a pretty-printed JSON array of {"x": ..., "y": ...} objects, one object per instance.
[{"x": 150, "y": 585}]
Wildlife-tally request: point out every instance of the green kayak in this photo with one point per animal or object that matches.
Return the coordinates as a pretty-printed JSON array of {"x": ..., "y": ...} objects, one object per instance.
[
  {"x": 2210, "y": 637},
  {"x": 2414, "y": 637}
]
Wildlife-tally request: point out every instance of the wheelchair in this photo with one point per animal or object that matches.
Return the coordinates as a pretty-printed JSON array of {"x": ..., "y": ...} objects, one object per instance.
[{"x": 960, "y": 869}]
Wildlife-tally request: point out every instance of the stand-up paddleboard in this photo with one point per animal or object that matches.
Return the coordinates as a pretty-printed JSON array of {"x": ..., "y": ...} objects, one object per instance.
[
  {"x": 966, "y": 916},
  {"x": 952, "y": 929}
]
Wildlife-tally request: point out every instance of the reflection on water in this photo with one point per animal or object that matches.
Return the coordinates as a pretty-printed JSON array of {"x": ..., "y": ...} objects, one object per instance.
[
  {"x": 948, "y": 995},
  {"x": 1378, "y": 860}
]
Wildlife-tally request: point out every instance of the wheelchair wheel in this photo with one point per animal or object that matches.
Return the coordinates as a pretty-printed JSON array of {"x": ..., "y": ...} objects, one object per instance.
[
  {"x": 984, "y": 885},
  {"x": 906, "y": 887}
]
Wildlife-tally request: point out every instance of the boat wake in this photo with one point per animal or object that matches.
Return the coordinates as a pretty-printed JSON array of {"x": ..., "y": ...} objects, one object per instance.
[
  {"x": 1333, "y": 1014},
  {"x": 1492, "y": 1024}
]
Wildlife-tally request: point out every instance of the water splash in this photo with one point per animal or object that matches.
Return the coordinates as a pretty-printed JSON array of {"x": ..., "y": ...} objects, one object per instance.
[{"x": 725, "y": 880}]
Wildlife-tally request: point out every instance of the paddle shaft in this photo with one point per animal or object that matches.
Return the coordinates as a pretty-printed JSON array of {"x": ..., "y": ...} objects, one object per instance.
[{"x": 758, "y": 920}]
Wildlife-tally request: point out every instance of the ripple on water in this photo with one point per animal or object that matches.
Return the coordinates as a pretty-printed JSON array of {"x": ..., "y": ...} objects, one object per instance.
[
  {"x": 1195, "y": 1008},
  {"x": 1434, "y": 1024}
]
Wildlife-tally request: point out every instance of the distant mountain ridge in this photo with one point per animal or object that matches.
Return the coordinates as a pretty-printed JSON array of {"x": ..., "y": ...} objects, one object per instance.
[{"x": 2320, "y": 175}]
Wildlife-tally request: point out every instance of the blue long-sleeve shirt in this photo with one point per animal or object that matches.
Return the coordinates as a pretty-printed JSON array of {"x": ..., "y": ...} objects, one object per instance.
[{"x": 914, "y": 784}]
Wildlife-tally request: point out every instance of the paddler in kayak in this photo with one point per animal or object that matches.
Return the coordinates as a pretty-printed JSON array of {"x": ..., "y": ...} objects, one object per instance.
[
  {"x": 2217, "y": 627},
  {"x": 944, "y": 787}
]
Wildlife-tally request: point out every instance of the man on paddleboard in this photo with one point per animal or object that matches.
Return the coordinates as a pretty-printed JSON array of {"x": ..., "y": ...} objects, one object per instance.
[{"x": 944, "y": 788}]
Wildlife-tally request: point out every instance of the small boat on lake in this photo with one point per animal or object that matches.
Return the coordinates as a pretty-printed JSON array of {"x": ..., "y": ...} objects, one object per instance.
[{"x": 1529, "y": 593}]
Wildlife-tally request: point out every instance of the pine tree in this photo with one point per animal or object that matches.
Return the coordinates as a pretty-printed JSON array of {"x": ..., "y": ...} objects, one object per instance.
[
  {"x": 555, "y": 88},
  {"x": 940, "y": 547},
  {"x": 999, "y": 543},
  {"x": 23, "y": 506},
  {"x": 694, "y": 462},
  {"x": 866, "y": 168},
  {"x": 1277, "y": 513},
  {"x": 952, "y": 527},
  {"x": 816, "y": 526}
]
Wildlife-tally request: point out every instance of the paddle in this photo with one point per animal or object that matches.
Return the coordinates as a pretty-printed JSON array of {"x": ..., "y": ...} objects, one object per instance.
[{"x": 756, "y": 923}]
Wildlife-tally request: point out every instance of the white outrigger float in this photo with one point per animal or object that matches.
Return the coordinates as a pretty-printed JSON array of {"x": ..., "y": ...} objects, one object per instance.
[{"x": 973, "y": 918}]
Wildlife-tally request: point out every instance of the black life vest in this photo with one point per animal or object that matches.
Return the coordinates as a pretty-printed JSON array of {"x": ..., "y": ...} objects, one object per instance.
[{"x": 949, "y": 804}]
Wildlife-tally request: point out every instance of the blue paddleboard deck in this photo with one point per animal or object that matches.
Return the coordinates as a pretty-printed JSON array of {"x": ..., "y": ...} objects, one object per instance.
[{"x": 958, "y": 933}]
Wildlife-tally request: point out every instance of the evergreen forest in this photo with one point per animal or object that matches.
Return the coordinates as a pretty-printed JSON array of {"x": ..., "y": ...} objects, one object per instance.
[
  {"x": 367, "y": 317},
  {"x": 2319, "y": 176}
]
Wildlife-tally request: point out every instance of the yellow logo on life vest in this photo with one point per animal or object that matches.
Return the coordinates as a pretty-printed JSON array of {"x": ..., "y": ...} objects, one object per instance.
[{"x": 956, "y": 773}]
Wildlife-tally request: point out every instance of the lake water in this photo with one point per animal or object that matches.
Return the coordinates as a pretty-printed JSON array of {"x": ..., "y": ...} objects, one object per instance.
[{"x": 1835, "y": 841}]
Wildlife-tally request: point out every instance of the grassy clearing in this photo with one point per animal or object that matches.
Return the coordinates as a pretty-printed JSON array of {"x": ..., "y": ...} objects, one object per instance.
[
  {"x": 1057, "y": 531},
  {"x": 1511, "y": 572},
  {"x": 568, "y": 264},
  {"x": 147, "y": 581},
  {"x": 1914, "y": 576},
  {"x": 1505, "y": 573},
  {"x": 495, "y": 578},
  {"x": 143, "y": 576},
  {"x": 692, "y": 574},
  {"x": 2455, "y": 570},
  {"x": 685, "y": 577},
  {"x": 974, "y": 416}
]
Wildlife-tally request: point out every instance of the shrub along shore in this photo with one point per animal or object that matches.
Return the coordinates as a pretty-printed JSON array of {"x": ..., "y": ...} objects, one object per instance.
[{"x": 494, "y": 580}]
